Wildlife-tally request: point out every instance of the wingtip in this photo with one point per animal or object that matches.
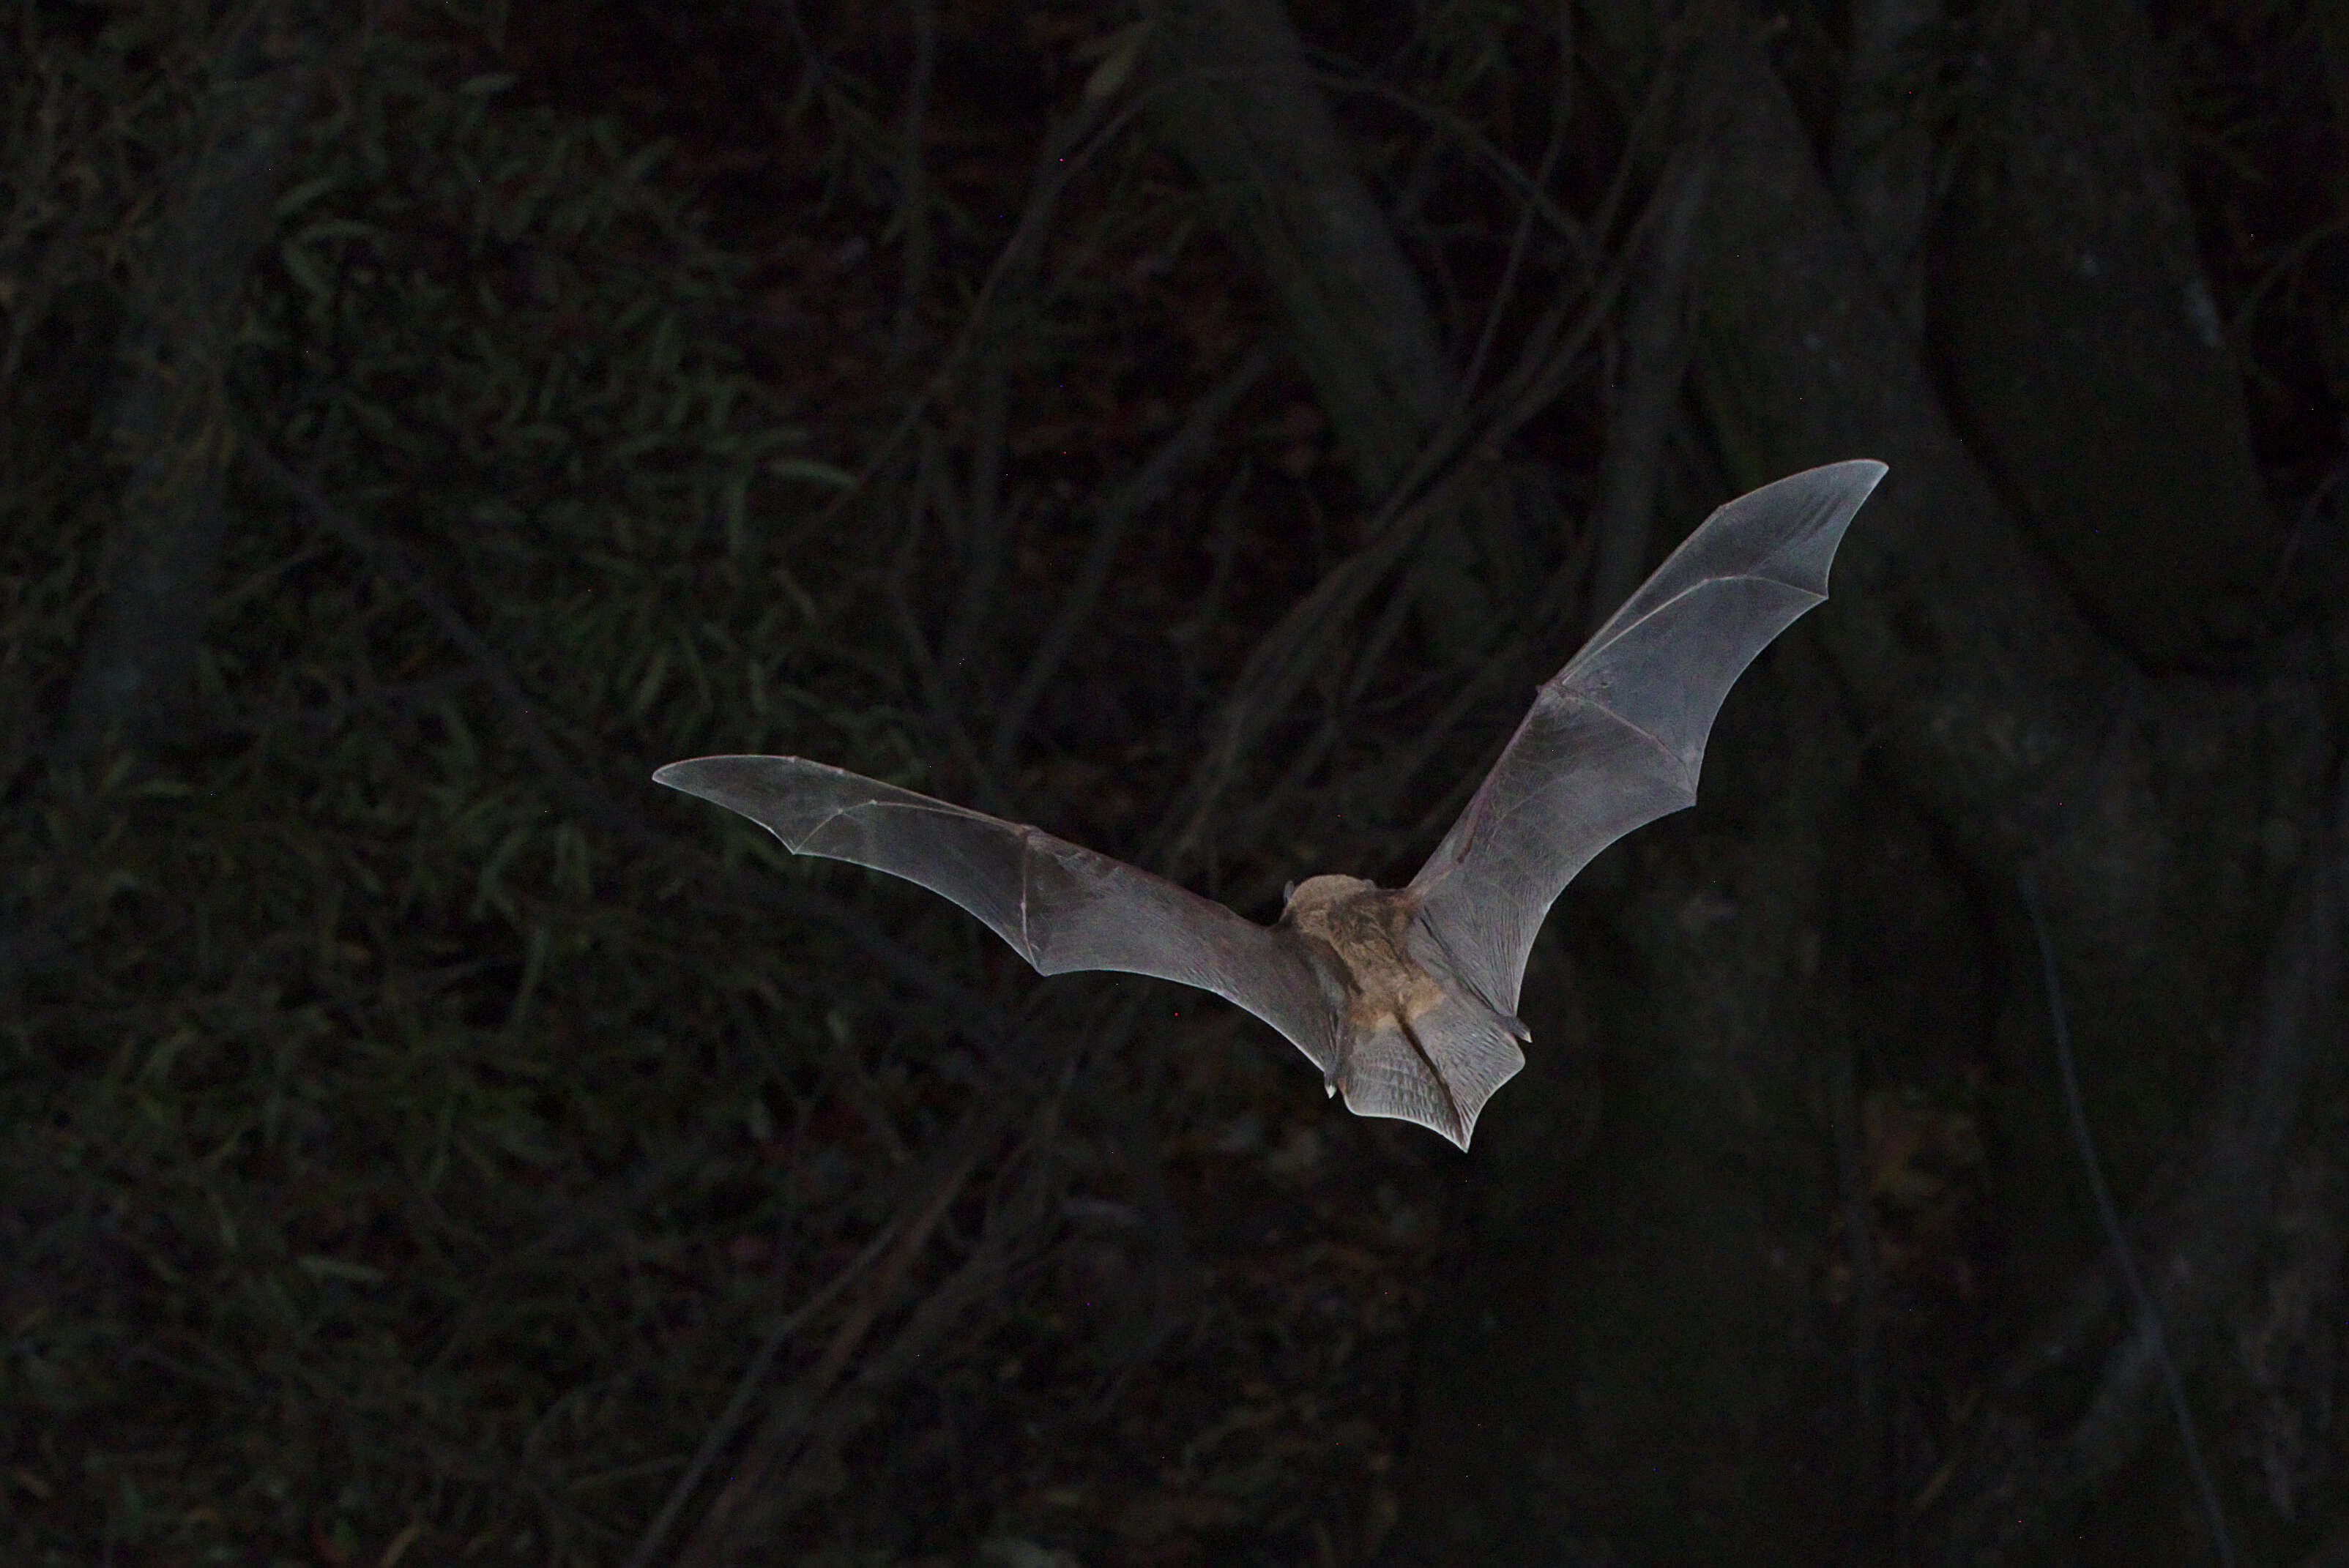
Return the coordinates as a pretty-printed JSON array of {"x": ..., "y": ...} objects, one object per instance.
[
  {"x": 1875, "y": 471},
  {"x": 1863, "y": 474},
  {"x": 1874, "y": 468},
  {"x": 693, "y": 776},
  {"x": 689, "y": 775},
  {"x": 1855, "y": 476}
]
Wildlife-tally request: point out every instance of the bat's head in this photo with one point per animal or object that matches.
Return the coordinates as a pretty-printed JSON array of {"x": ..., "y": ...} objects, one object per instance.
[{"x": 1316, "y": 894}]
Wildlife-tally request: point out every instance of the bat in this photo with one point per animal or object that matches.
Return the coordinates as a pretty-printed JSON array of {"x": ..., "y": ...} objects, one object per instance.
[{"x": 1404, "y": 997}]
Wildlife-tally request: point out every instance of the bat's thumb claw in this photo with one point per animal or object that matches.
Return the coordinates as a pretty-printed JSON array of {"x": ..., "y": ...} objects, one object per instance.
[
  {"x": 1329, "y": 1088},
  {"x": 1516, "y": 1026}
]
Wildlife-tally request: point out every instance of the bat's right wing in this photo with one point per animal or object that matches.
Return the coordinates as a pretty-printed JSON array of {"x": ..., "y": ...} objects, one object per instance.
[
  {"x": 1615, "y": 739},
  {"x": 1061, "y": 907}
]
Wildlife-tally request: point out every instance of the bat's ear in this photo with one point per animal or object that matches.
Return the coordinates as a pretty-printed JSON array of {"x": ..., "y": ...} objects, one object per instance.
[{"x": 1288, "y": 891}]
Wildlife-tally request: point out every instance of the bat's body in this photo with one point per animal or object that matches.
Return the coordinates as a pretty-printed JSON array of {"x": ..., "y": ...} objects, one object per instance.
[
  {"x": 1404, "y": 997},
  {"x": 1369, "y": 944}
]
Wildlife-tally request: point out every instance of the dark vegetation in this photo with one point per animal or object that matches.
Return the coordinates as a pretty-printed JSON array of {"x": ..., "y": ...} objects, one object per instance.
[{"x": 427, "y": 1142}]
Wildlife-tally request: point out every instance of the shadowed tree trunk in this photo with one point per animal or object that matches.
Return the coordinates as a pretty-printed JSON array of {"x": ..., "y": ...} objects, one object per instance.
[
  {"x": 2071, "y": 315},
  {"x": 168, "y": 425}
]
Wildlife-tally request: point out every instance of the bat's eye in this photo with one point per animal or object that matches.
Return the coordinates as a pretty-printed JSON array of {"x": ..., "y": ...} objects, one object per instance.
[{"x": 1288, "y": 891}]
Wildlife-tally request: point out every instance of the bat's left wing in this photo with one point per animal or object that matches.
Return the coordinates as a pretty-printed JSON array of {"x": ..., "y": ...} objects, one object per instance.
[
  {"x": 1062, "y": 907},
  {"x": 1615, "y": 738}
]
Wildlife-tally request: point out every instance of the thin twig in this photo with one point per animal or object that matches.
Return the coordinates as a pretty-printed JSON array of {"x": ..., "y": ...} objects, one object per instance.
[
  {"x": 2148, "y": 1317},
  {"x": 754, "y": 1374},
  {"x": 1223, "y": 550},
  {"x": 1069, "y": 147},
  {"x": 1562, "y": 115},
  {"x": 913, "y": 182},
  {"x": 1180, "y": 451},
  {"x": 945, "y": 711},
  {"x": 1656, "y": 351},
  {"x": 986, "y": 518},
  {"x": 1435, "y": 738},
  {"x": 1845, "y": 1121},
  {"x": 714, "y": 1541}
]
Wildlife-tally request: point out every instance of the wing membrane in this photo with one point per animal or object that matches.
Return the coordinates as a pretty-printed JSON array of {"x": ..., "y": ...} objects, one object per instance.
[
  {"x": 1062, "y": 907},
  {"x": 1617, "y": 738},
  {"x": 1439, "y": 1075}
]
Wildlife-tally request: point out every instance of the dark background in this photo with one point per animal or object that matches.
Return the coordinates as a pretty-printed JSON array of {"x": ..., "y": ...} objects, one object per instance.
[{"x": 1195, "y": 430}]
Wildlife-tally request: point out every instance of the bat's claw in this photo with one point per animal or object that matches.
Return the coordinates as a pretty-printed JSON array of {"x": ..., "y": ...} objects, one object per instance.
[{"x": 1516, "y": 1026}]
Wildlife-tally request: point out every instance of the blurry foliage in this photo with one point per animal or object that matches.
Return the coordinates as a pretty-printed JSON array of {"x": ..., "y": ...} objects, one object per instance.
[{"x": 371, "y": 1150}]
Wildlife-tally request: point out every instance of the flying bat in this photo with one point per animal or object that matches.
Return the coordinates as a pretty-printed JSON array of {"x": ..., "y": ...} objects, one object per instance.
[{"x": 1404, "y": 997}]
